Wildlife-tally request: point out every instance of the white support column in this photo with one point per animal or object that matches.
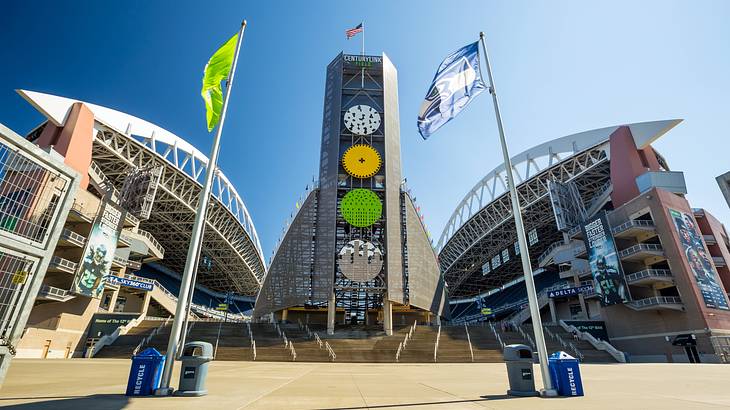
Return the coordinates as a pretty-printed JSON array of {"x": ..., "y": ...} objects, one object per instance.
[
  {"x": 387, "y": 317},
  {"x": 331, "y": 310},
  {"x": 553, "y": 313}
]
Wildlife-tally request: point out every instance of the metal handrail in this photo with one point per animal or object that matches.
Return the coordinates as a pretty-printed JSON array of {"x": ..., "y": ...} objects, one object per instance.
[
  {"x": 318, "y": 340},
  {"x": 253, "y": 345},
  {"x": 656, "y": 300},
  {"x": 293, "y": 352},
  {"x": 646, "y": 273},
  {"x": 496, "y": 334},
  {"x": 640, "y": 247},
  {"x": 69, "y": 234},
  {"x": 330, "y": 351},
  {"x": 436, "y": 345},
  {"x": 468, "y": 338},
  {"x": 632, "y": 223},
  {"x": 64, "y": 263},
  {"x": 525, "y": 335},
  {"x": 549, "y": 249}
]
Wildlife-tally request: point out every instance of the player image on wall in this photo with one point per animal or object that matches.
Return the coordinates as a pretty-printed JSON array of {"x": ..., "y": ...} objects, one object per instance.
[
  {"x": 694, "y": 251},
  {"x": 608, "y": 278},
  {"x": 99, "y": 252}
]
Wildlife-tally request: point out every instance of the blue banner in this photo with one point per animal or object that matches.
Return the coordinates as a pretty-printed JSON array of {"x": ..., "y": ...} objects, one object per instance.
[
  {"x": 458, "y": 80},
  {"x": 559, "y": 293},
  {"x": 130, "y": 283},
  {"x": 608, "y": 277}
]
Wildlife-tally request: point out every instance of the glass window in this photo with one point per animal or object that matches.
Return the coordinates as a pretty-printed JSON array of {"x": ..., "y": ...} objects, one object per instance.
[
  {"x": 379, "y": 181},
  {"x": 505, "y": 255},
  {"x": 342, "y": 180},
  {"x": 485, "y": 268},
  {"x": 496, "y": 261},
  {"x": 532, "y": 237},
  {"x": 517, "y": 248}
]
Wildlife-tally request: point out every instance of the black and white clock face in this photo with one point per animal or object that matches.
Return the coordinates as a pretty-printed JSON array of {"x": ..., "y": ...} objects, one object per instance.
[{"x": 362, "y": 119}]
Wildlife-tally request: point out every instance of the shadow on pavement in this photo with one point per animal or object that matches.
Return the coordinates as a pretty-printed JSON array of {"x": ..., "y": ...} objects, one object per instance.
[
  {"x": 488, "y": 397},
  {"x": 94, "y": 401}
]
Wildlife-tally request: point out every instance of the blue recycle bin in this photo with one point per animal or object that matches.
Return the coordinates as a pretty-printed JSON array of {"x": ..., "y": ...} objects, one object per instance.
[
  {"x": 565, "y": 373},
  {"x": 146, "y": 372}
]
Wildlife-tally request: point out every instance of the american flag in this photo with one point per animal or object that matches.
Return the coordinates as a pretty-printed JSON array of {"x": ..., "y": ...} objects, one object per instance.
[{"x": 351, "y": 32}]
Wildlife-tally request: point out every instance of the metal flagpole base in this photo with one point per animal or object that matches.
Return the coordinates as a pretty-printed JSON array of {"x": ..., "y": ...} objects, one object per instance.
[
  {"x": 164, "y": 391},
  {"x": 546, "y": 393}
]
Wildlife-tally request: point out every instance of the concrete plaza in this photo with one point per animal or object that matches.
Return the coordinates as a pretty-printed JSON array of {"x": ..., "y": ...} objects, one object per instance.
[{"x": 100, "y": 384}]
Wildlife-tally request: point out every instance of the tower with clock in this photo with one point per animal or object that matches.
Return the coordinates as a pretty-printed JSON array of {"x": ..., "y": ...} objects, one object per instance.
[{"x": 357, "y": 252}]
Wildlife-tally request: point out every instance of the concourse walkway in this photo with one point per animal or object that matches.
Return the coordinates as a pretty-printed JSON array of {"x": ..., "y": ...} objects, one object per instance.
[{"x": 100, "y": 383}]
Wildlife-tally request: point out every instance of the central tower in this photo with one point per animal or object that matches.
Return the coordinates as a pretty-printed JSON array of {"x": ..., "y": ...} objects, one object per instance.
[
  {"x": 361, "y": 227},
  {"x": 356, "y": 252}
]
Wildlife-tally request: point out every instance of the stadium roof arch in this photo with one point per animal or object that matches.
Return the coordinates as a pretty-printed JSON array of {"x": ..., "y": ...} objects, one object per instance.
[
  {"x": 122, "y": 141},
  {"x": 482, "y": 224}
]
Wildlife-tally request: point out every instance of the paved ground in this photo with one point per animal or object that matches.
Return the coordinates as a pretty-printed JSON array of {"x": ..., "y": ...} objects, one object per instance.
[{"x": 100, "y": 384}]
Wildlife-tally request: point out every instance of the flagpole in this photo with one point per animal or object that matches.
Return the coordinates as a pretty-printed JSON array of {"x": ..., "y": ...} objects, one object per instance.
[
  {"x": 186, "y": 285},
  {"x": 522, "y": 239},
  {"x": 362, "y": 72}
]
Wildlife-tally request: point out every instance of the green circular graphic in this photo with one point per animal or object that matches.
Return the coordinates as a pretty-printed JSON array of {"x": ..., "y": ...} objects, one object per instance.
[{"x": 361, "y": 207}]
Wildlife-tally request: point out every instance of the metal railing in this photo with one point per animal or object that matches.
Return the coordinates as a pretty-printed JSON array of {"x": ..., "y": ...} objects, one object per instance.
[
  {"x": 649, "y": 273},
  {"x": 649, "y": 247},
  {"x": 634, "y": 223},
  {"x": 468, "y": 339},
  {"x": 436, "y": 345},
  {"x": 525, "y": 335},
  {"x": 656, "y": 300},
  {"x": 73, "y": 237},
  {"x": 496, "y": 335},
  {"x": 331, "y": 352},
  {"x": 409, "y": 336},
  {"x": 253, "y": 347},
  {"x": 62, "y": 263},
  {"x": 55, "y": 293},
  {"x": 564, "y": 344},
  {"x": 552, "y": 247},
  {"x": 147, "y": 235}
]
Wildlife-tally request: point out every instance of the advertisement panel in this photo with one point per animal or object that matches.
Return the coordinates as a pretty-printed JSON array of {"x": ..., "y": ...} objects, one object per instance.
[
  {"x": 597, "y": 328},
  {"x": 693, "y": 248},
  {"x": 559, "y": 293},
  {"x": 99, "y": 251},
  {"x": 608, "y": 278},
  {"x": 130, "y": 283}
]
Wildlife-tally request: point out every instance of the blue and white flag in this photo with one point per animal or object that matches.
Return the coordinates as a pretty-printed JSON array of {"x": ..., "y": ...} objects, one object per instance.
[{"x": 457, "y": 81}]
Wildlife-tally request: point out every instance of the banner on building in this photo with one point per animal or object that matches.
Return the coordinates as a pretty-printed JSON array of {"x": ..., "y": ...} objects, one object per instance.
[
  {"x": 559, "y": 293},
  {"x": 99, "y": 251},
  {"x": 693, "y": 248},
  {"x": 608, "y": 278},
  {"x": 130, "y": 283},
  {"x": 597, "y": 328}
]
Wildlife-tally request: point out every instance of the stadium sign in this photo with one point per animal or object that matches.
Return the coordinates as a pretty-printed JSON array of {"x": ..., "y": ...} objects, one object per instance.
[
  {"x": 559, "y": 293},
  {"x": 130, "y": 283},
  {"x": 608, "y": 277},
  {"x": 362, "y": 61}
]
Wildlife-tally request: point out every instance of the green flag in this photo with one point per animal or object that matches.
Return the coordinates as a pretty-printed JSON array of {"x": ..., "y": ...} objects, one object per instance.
[{"x": 216, "y": 71}]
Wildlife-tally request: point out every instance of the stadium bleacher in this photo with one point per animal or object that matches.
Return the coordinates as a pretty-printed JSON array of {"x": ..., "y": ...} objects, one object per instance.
[
  {"x": 200, "y": 297},
  {"x": 503, "y": 302}
]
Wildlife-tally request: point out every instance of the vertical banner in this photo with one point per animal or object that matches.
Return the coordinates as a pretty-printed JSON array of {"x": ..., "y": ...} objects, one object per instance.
[
  {"x": 693, "y": 247},
  {"x": 99, "y": 251},
  {"x": 608, "y": 278}
]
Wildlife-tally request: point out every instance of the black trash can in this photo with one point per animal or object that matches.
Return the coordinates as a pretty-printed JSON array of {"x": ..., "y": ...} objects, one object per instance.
[{"x": 519, "y": 360}]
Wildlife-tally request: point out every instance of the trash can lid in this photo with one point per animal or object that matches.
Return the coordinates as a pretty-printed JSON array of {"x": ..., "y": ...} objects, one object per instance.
[
  {"x": 198, "y": 349},
  {"x": 150, "y": 351},
  {"x": 561, "y": 355},
  {"x": 517, "y": 352}
]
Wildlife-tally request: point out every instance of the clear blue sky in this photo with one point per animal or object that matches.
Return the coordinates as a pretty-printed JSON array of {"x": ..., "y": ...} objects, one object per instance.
[{"x": 561, "y": 67}]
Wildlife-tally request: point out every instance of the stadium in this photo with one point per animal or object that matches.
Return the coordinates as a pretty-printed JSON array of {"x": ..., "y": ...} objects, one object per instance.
[
  {"x": 611, "y": 171},
  {"x": 97, "y": 209}
]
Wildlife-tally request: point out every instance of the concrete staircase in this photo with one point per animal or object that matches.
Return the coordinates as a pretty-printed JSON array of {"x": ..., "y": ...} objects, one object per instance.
[
  {"x": 365, "y": 344},
  {"x": 454, "y": 345},
  {"x": 485, "y": 346},
  {"x": 124, "y": 345},
  {"x": 590, "y": 354}
]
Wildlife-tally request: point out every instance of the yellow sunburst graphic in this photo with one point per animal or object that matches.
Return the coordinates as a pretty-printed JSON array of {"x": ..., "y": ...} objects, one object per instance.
[{"x": 361, "y": 161}]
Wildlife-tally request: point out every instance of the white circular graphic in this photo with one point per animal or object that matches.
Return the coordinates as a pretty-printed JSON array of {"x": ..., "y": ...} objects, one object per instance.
[
  {"x": 360, "y": 261},
  {"x": 362, "y": 119}
]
